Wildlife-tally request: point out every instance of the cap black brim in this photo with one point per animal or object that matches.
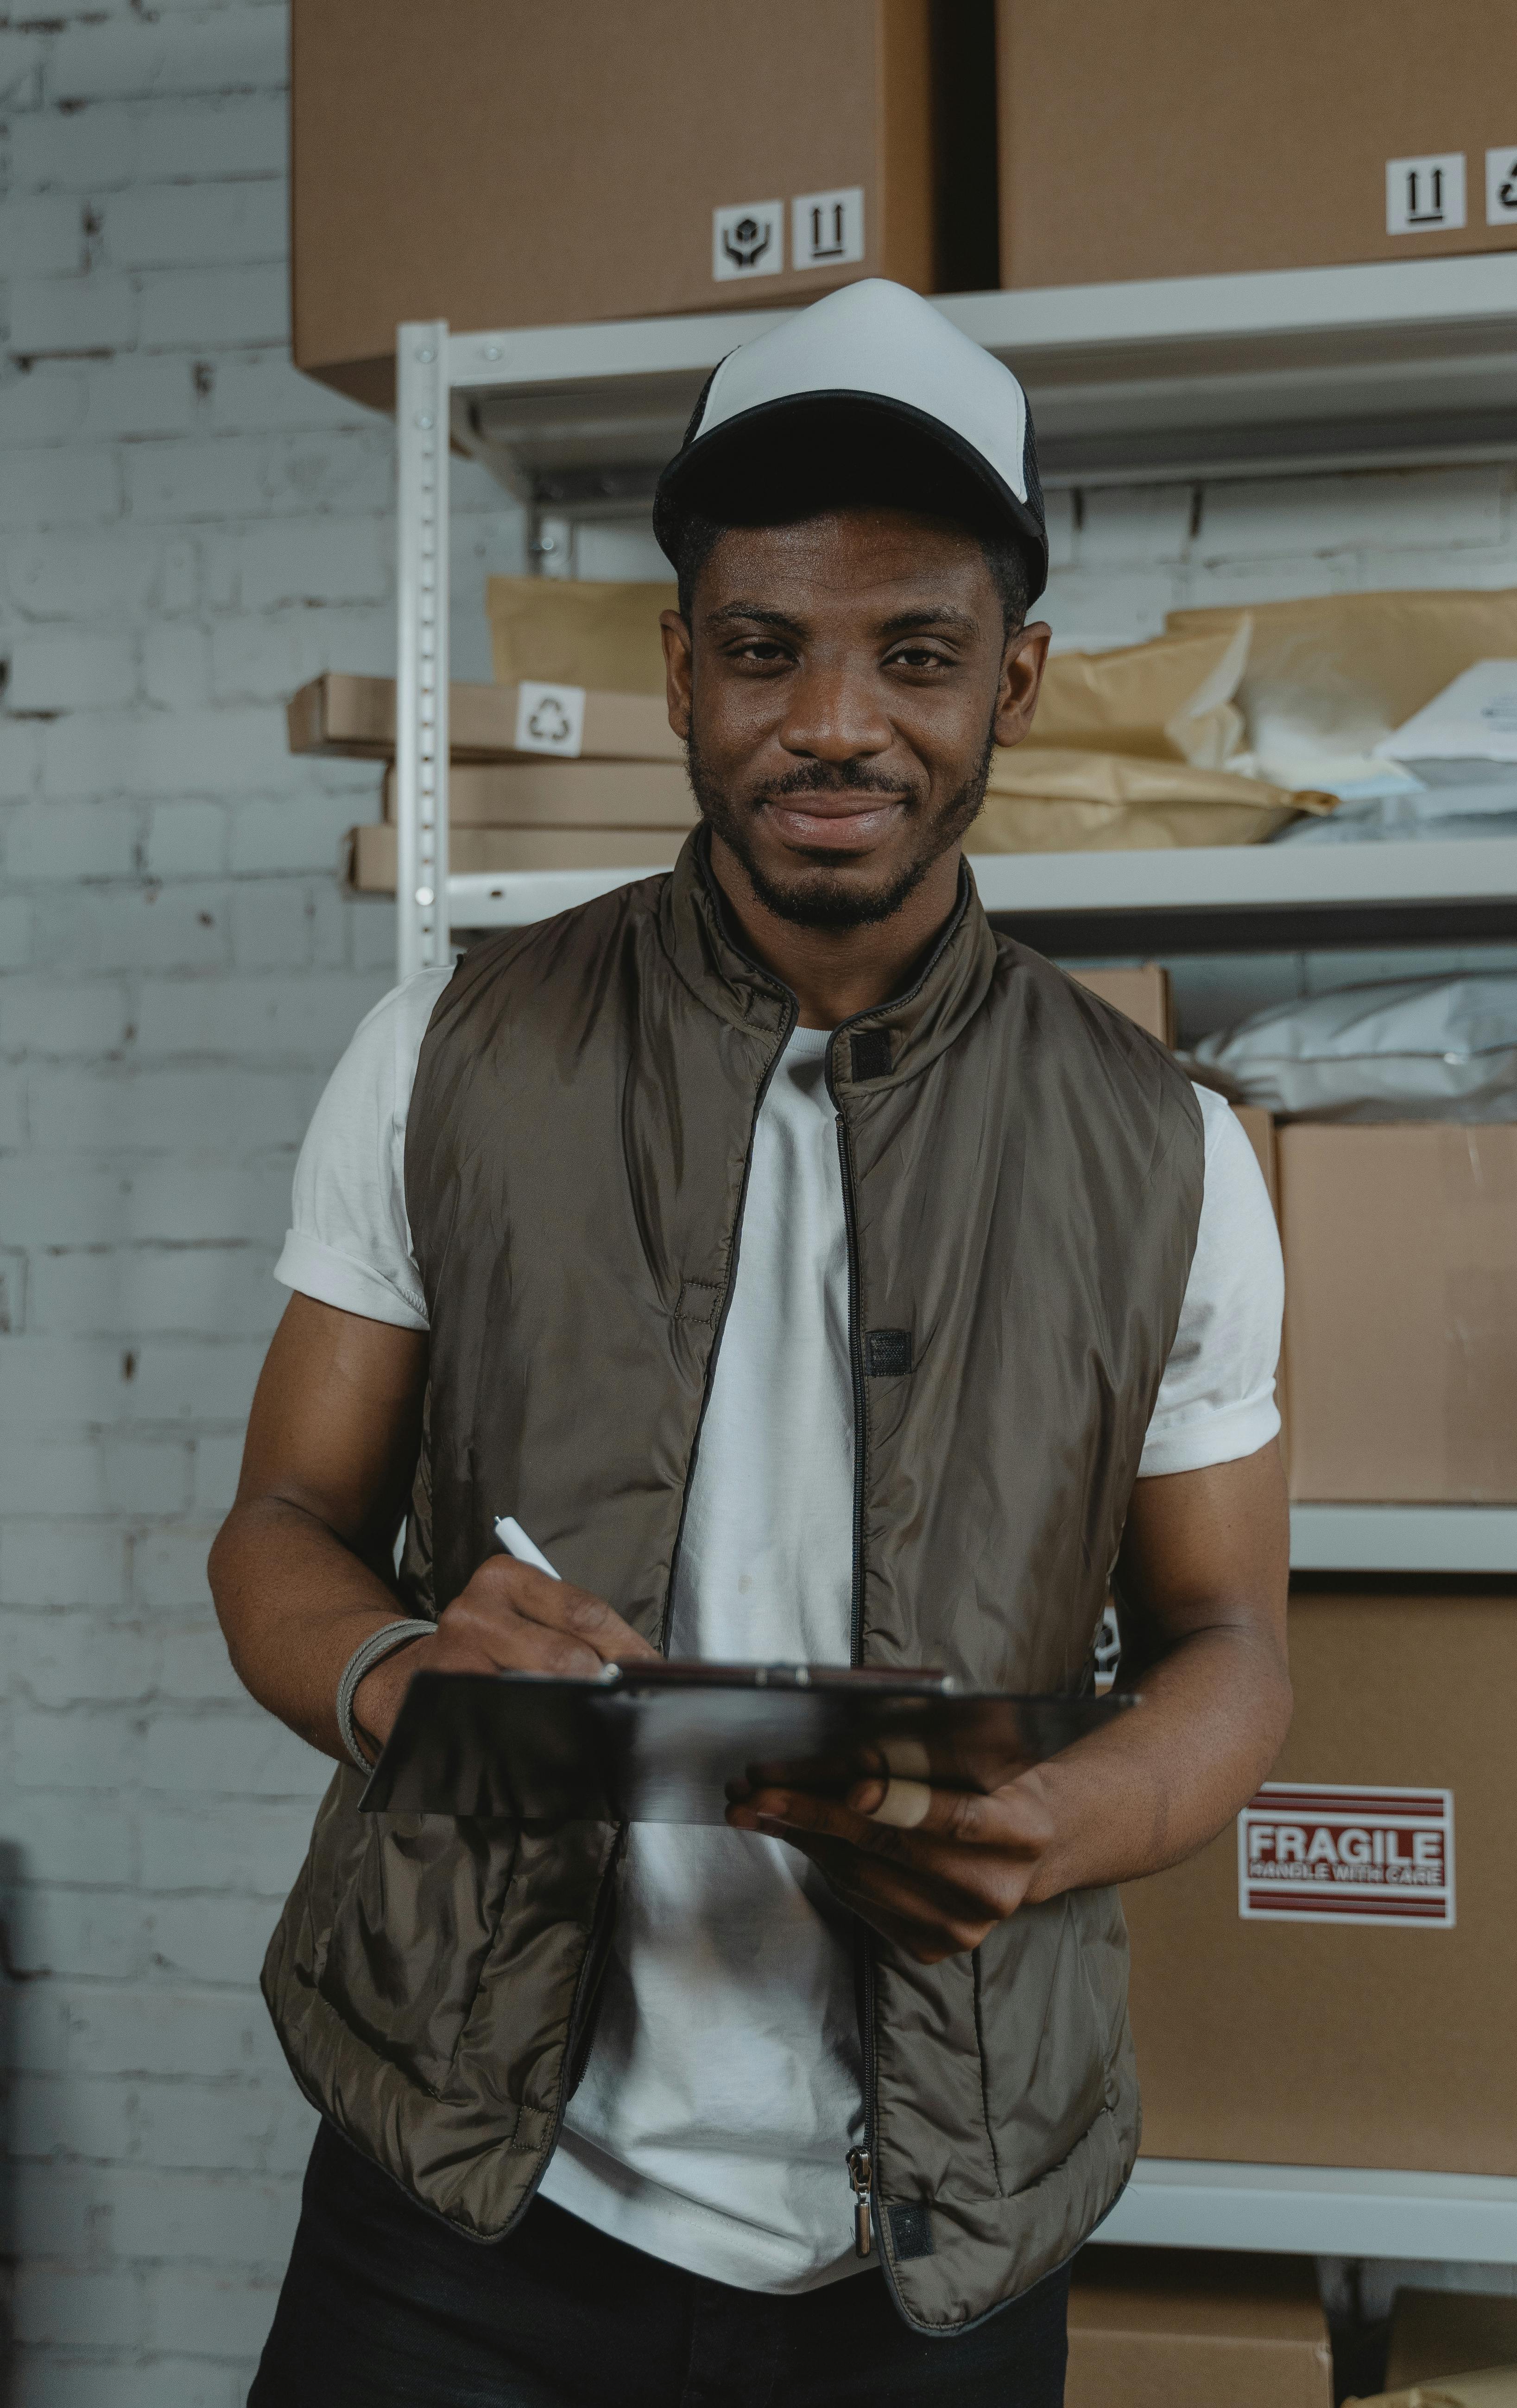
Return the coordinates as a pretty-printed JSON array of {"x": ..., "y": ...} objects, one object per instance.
[{"x": 806, "y": 453}]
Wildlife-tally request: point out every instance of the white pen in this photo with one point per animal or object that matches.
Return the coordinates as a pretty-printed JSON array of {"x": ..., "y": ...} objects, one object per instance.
[{"x": 514, "y": 1540}]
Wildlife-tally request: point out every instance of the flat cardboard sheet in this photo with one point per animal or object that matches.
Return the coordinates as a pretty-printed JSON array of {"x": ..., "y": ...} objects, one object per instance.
[
  {"x": 502, "y": 853},
  {"x": 566, "y": 794},
  {"x": 353, "y": 718},
  {"x": 661, "y": 1743}
]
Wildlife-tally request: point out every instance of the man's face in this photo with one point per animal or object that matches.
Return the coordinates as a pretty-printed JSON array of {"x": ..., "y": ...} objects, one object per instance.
[{"x": 840, "y": 689}]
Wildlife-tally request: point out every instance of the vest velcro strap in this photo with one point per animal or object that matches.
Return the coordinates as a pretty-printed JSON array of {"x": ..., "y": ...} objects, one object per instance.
[
  {"x": 911, "y": 2230},
  {"x": 870, "y": 1049},
  {"x": 889, "y": 1353}
]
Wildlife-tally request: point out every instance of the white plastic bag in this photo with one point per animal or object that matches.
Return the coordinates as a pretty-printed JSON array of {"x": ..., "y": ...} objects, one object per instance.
[{"x": 1408, "y": 1050}]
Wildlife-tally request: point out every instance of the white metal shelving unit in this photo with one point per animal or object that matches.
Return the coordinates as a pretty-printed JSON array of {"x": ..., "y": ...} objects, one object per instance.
[
  {"x": 1243, "y": 376},
  {"x": 1318, "y": 2212},
  {"x": 1238, "y": 376}
]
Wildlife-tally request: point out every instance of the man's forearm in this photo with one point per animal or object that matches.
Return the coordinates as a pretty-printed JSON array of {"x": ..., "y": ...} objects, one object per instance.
[
  {"x": 294, "y": 1602},
  {"x": 1165, "y": 1778}
]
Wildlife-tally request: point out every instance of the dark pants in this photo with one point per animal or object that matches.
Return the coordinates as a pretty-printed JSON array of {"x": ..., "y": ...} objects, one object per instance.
[{"x": 384, "y": 2307}]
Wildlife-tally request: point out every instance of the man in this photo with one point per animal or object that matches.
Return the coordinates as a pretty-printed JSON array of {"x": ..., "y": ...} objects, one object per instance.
[{"x": 816, "y": 1276}]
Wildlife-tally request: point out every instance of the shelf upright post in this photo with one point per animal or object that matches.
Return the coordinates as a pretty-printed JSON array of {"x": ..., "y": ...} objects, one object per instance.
[{"x": 423, "y": 932}]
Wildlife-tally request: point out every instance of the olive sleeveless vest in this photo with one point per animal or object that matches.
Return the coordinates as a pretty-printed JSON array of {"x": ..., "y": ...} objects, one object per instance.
[{"x": 1022, "y": 1176}]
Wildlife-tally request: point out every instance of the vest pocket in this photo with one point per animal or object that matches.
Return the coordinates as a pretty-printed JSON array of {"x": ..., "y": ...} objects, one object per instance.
[
  {"x": 1042, "y": 2041},
  {"x": 411, "y": 1933}
]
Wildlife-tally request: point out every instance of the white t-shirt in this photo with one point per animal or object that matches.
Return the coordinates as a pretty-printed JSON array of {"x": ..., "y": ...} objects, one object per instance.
[{"x": 723, "y": 2089}]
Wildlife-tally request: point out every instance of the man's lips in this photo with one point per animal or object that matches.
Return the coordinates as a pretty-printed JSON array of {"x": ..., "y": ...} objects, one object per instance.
[{"x": 832, "y": 822}]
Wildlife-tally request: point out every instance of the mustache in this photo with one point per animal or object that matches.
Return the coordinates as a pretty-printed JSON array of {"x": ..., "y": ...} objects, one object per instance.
[{"x": 832, "y": 778}]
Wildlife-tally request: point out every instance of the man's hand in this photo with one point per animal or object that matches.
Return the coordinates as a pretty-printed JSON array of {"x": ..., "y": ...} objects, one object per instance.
[
  {"x": 510, "y": 1618},
  {"x": 1201, "y": 1585},
  {"x": 935, "y": 1891}
]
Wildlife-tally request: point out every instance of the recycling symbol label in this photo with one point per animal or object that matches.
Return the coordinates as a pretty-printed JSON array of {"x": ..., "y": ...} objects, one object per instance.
[
  {"x": 748, "y": 239},
  {"x": 550, "y": 718}
]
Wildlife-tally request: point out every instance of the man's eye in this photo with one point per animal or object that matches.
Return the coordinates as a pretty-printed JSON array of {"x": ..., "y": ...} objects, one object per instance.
[
  {"x": 919, "y": 656},
  {"x": 761, "y": 649}
]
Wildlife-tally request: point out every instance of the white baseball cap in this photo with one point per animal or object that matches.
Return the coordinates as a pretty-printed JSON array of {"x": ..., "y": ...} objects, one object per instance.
[{"x": 871, "y": 370}]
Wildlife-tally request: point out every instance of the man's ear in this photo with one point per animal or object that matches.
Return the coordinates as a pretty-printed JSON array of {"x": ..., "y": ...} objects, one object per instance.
[
  {"x": 677, "y": 662},
  {"x": 1023, "y": 664}
]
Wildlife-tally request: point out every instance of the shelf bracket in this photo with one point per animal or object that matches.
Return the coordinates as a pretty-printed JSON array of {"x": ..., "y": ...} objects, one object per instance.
[{"x": 423, "y": 932}]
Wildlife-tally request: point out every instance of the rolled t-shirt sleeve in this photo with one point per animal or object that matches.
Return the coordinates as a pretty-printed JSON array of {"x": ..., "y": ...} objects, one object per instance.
[
  {"x": 1216, "y": 1401},
  {"x": 349, "y": 1240}
]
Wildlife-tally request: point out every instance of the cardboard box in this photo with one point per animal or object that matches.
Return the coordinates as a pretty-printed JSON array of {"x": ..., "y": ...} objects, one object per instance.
[
  {"x": 499, "y": 165},
  {"x": 501, "y": 852},
  {"x": 1142, "y": 994},
  {"x": 1195, "y": 137},
  {"x": 1494, "y": 2387},
  {"x": 1450, "y": 2333},
  {"x": 1193, "y": 2329},
  {"x": 1259, "y": 1128},
  {"x": 604, "y": 794},
  {"x": 353, "y": 718},
  {"x": 1401, "y": 1312},
  {"x": 1382, "y": 2038}
]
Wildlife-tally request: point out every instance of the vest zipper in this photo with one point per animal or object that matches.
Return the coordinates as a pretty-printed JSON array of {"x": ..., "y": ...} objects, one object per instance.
[
  {"x": 859, "y": 2175},
  {"x": 787, "y": 1031},
  {"x": 860, "y": 2162}
]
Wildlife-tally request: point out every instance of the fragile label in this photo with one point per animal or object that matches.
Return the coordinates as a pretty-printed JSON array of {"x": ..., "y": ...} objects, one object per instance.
[
  {"x": 550, "y": 718},
  {"x": 1332, "y": 1855}
]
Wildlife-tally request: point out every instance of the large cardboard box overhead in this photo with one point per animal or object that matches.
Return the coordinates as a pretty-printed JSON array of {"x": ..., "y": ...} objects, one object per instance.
[
  {"x": 1193, "y": 2329},
  {"x": 1190, "y": 137},
  {"x": 1330, "y": 1982},
  {"x": 1401, "y": 1312},
  {"x": 500, "y": 163}
]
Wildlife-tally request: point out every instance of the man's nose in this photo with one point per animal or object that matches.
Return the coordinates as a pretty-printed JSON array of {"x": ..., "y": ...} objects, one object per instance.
[{"x": 835, "y": 713}]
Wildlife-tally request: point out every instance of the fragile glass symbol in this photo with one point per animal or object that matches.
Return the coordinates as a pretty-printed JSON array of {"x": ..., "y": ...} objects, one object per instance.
[{"x": 747, "y": 241}]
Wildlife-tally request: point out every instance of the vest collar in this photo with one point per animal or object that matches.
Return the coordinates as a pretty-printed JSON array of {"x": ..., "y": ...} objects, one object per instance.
[{"x": 898, "y": 1039}]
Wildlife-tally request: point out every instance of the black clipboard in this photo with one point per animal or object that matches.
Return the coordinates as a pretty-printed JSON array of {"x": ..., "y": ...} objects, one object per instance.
[{"x": 662, "y": 1743}]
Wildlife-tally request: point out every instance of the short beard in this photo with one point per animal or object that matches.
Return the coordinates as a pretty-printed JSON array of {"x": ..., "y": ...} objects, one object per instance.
[{"x": 826, "y": 897}]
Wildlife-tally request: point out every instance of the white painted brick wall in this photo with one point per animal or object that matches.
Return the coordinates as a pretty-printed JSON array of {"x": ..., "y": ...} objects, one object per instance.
[{"x": 189, "y": 530}]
